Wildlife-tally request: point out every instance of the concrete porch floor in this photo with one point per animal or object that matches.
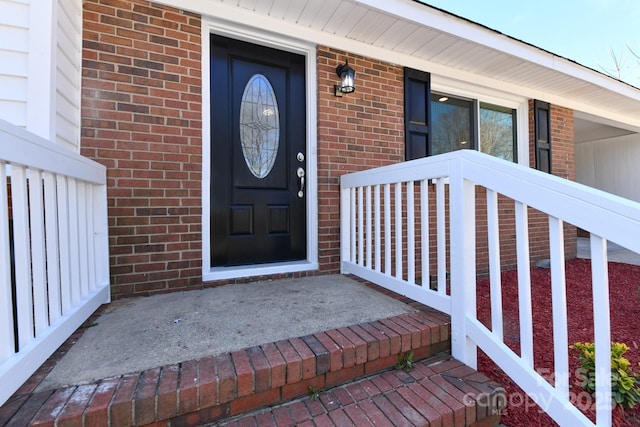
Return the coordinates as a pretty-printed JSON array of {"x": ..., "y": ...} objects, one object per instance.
[
  {"x": 313, "y": 333},
  {"x": 327, "y": 332},
  {"x": 140, "y": 333}
]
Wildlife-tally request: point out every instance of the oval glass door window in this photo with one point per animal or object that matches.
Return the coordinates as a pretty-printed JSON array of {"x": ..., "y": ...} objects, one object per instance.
[{"x": 259, "y": 126}]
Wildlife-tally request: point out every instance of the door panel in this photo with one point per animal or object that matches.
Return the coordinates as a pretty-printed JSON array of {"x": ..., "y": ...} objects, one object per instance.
[{"x": 258, "y": 129}]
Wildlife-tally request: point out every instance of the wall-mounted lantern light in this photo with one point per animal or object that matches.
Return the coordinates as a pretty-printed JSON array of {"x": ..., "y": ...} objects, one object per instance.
[{"x": 346, "y": 75}]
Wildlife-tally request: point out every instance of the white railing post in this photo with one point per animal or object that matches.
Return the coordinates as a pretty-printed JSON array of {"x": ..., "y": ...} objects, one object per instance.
[
  {"x": 6, "y": 306},
  {"x": 101, "y": 236},
  {"x": 607, "y": 217},
  {"x": 462, "y": 213},
  {"x": 61, "y": 254}
]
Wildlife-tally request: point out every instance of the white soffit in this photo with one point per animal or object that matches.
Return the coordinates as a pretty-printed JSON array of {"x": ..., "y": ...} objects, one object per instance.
[{"x": 413, "y": 34}]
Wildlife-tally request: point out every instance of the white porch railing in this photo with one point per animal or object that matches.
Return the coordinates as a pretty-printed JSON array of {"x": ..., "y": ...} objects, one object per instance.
[
  {"x": 387, "y": 224},
  {"x": 53, "y": 250}
]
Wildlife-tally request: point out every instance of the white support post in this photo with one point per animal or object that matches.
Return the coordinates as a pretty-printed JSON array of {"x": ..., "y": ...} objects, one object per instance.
[
  {"x": 463, "y": 267},
  {"x": 6, "y": 309},
  {"x": 101, "y": 236}
]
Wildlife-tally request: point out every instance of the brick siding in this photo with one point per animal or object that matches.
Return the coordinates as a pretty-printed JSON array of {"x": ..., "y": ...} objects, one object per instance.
[
  {"x": 141, "y": 117},
  {"x": 359, "y": 131}
]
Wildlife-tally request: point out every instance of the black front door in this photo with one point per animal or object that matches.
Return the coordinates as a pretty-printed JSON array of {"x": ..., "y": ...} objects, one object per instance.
[{"x": 258, "y": 156}]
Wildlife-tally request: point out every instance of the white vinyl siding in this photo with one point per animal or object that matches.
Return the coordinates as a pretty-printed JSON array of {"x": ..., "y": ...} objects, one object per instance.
[
  {"x": 14, "y": 46},
  {"x": 40, "y": 67},
  {"x": 610, "y": 165},
  {"x": 68, "y": 72}
]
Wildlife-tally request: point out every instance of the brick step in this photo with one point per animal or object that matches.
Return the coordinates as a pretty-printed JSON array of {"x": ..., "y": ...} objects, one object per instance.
[
  {"x": 439, "y": 391},
  {"x": 215, "y": 388}
]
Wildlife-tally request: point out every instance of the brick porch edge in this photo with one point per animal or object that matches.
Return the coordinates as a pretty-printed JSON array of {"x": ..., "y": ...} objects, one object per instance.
[{"x": 214, "y": 388}]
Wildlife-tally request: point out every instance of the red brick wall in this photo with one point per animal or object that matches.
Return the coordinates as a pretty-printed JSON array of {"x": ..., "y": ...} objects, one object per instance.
[
  {"x": 563, "y": 164},
  {"x": 141, "y": 117},
  {"x": 361, "y": 130}
]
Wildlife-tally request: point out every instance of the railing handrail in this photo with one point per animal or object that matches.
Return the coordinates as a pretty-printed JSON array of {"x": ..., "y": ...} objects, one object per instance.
[
  {"x": 54, "y": 249},
  {"x": 607, "y": 217},
  {"x": 46, "y": 156},
  {"x": 523, "y": 184}
]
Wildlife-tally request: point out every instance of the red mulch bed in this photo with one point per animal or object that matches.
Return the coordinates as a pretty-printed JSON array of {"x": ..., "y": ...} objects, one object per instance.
[{"x": 624, "y": 284}]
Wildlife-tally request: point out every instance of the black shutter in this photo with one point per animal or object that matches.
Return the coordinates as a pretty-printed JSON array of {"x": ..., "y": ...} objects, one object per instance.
[
  {"x": 542, "y": 124},
  {"x": 417, "y": 95}
]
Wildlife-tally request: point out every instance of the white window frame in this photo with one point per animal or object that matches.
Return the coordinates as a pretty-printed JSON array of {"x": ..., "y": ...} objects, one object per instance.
[{"x": 457, "y": 88}]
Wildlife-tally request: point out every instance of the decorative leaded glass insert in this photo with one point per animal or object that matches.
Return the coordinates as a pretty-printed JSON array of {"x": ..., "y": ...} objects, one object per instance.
[{"x": 259, "y": 126}]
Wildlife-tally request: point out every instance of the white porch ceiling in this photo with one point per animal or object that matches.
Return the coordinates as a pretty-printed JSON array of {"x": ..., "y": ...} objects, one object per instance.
[{"x": 411, "y": 33}]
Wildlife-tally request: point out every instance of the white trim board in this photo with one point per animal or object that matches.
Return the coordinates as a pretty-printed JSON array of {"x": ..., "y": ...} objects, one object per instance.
[{"x": 256, "y": 36}]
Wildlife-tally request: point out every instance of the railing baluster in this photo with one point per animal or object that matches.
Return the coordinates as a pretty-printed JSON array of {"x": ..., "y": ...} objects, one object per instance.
[
  {"x": 369, "y": 226},
  {"x": 65, "y": 247},
  {"x": 360, "y": 226},
  {"x": 91, "y": 216},
  {"x": 559, "y": 306},
  {"x": 493, "y": 230},
  {"x": 456, "y": 177},
  {"x": 411, "y": 235},
  {"x": 22, "y": 255},
  {"x": 84, "y": 239},
  {"x": 378, "y": 243},
  {"x": 602, "y": 331},
  {"x": 53, "y": 247},
  {"x": 424, "y": 232},
  {"x": 6, "y": 305},
  {"x": 441, "y": 236},
  {"x": 353, "y": 225},
  {"x": 74, "y": 241},
  {"x": 38, "y": 257},
  {"x": 387, "y": 229},
  {"x": 524, "y": 283},
  {"x": 398, "y": 216}
]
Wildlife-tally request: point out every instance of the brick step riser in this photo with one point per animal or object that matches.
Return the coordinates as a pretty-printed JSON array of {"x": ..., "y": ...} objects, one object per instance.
[
  {"x": 214, "y": 388},
  {"x": 438, "y": 391}
]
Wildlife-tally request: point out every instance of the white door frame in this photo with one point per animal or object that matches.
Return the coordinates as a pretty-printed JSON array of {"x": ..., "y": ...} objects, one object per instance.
[{"x": 308, "y": 50}]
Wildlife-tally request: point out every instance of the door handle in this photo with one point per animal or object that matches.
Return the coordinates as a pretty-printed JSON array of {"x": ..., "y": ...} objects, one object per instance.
[{"x": 300, "y": 174}]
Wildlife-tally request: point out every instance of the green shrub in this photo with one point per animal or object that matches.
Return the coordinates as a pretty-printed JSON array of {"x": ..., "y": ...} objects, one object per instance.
[{"x": 625, "y": 383}]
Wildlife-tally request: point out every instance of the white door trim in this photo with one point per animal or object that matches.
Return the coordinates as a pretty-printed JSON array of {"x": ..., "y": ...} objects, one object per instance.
[{"x": 259, "y": 37}]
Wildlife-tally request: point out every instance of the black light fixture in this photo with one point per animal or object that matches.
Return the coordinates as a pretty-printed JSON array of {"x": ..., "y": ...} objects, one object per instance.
[{"x": 346, "y": 75}]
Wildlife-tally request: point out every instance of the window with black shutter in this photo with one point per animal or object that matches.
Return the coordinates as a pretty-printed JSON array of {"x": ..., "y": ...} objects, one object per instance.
[
  {"x": 417, "y": 93},
  {"x": 542, "y": 135}
]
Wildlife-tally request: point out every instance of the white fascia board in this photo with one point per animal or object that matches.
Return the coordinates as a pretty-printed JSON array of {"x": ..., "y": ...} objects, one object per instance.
[{"x": 421, "y": 14}]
